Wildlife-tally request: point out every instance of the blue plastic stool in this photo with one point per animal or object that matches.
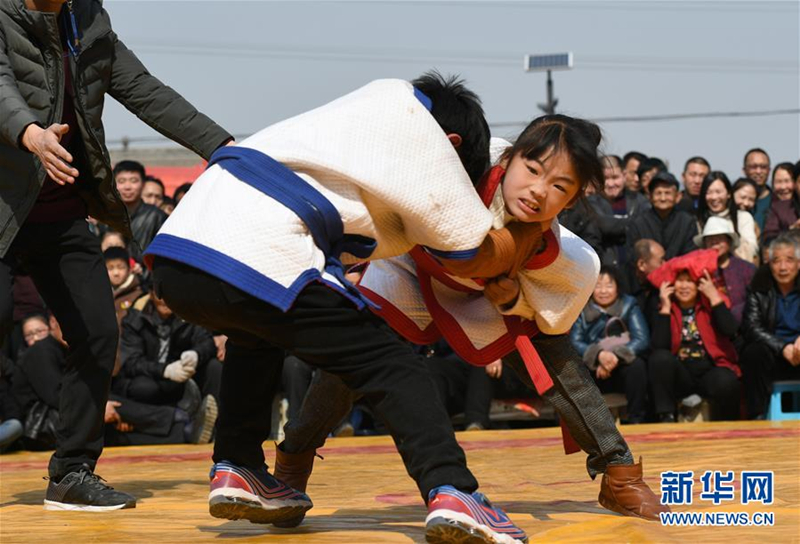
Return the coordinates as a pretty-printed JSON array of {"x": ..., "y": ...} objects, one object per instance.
[{"x": 775, "y": 412}]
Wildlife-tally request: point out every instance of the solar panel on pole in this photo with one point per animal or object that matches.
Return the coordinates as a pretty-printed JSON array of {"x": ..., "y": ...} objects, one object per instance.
[{"x": 548, "y": 63}]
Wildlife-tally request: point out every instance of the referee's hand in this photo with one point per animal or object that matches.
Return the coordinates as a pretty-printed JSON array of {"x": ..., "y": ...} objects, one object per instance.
[{"x": 45, "y": 144}]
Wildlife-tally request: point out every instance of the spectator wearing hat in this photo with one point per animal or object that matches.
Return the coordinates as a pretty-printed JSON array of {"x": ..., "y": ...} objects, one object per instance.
[
  {"x": 671, "y": 228},
  {"x": 733, "y": 274},
  {"x": 692, "y": 339},
  {"x": 772, "y": 324}
]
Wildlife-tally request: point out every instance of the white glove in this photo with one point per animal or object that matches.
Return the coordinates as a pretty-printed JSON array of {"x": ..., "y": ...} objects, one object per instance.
[
  {"x": 189, "y": 359},
  {"x": 176, "y": 372}
]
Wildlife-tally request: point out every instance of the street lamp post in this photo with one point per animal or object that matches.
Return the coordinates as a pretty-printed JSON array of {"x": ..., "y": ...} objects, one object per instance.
[{"x": 548, "y": 63}]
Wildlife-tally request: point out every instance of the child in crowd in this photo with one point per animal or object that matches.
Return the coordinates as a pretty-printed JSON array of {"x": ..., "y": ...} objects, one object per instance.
[
  {"x": 113, "y": 238},
  {"x": 126, "y": 285}
]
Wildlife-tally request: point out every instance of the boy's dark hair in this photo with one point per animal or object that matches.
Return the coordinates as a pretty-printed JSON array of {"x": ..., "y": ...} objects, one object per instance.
[
  {"x": 458, "y": 111},
  {"x": 116, "y": 253},
  {"x": 796, "y": 171},
  {"x": 755, "y": 150},
  {"x": 648, "y": 164},
  {"x": 181, "y": 190},
  {"x": 696, "y": 160},
  {"x": 168, "y": 202},
  {"x": 129, "y": 166},
  {"x": 633, "y": 155},
  {"x": 610, "y": 271},
  {"x": 551, "y": 134},
  {"x": 153, "y": 179}
]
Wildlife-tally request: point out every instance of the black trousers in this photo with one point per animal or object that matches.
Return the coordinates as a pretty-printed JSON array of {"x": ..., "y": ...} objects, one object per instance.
[
  {"x": 66, "y": 264},
  {"x": 326, "y": 331},
  {"x": 630, "y": 379},
  {"x": 152, "y": 424},
  {"x": 149, "y": 390},
  {"x": 463, "y": 388},
  {"x": 574, "y": 395},
  {"x": 761, "y": 366},
  {"x": 672, "y": 379},
  {"x": 296, "y": 378}
]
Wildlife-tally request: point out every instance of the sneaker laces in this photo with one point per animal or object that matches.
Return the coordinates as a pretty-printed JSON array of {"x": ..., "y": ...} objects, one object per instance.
[
  {"x": 482, "y": 499},
  {"x": 93, "y": 480}
]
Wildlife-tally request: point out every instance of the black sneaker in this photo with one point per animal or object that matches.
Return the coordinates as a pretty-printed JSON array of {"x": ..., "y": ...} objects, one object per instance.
[{"x": 85, "y": 491}]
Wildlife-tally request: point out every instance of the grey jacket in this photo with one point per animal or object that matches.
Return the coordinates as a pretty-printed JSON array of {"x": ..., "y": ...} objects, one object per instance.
[{"x": 32, "y": 90}]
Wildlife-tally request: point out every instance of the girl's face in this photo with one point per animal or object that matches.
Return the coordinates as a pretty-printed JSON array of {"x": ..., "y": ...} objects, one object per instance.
[
  {"x": 605, "y": 292},
  {"x": 782, "y": 185},
  {"x": 745, "y": 198},
  {"x": 685, "y": 290},
  {"x": 538, "y": 190},
  {"x": 717, "y": 196}
]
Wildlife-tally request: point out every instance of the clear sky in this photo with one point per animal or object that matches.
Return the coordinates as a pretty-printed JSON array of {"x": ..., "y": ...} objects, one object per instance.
[{"x": 250, "y": 64}]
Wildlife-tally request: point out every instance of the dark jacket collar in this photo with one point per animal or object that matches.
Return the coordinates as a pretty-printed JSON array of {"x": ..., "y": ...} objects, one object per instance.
[
  {"x": 42, "y": 25},
  {"x": 92, "y": 21}
]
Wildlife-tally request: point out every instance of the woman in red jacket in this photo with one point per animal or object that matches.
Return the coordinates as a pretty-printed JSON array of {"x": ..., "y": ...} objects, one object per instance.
[{"x": 691, "y": 339}]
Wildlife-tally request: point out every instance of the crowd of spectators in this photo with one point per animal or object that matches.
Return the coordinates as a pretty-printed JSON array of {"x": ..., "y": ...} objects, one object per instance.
[{"x": 697, "y": 302}]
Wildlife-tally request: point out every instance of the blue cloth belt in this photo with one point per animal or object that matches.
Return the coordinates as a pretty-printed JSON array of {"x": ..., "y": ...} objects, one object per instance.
[{"x": 275, "y": 180}]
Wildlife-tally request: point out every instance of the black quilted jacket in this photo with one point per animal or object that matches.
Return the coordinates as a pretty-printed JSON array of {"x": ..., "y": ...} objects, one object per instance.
[{"x": 32, "y": 90}]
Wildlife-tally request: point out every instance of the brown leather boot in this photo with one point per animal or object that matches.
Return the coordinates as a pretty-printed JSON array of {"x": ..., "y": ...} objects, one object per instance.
[
  {"x": 293, "y": 469},
  {"x": 623, "y": 491}
]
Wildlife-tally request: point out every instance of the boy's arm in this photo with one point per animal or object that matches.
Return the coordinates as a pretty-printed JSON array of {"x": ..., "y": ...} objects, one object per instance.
[
  {"x": 502, "y": 252},
  {"x": 554, "y": 292}
]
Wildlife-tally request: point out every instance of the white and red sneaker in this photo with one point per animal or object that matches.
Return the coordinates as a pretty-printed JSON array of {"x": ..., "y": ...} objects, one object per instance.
[
  {"x": 254, "y": 495},
  {"x": 457, "y": 517}
]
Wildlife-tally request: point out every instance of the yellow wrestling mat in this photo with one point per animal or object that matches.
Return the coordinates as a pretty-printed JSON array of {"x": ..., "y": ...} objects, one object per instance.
[{"x": 362, "y": 493}]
